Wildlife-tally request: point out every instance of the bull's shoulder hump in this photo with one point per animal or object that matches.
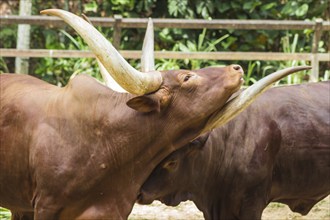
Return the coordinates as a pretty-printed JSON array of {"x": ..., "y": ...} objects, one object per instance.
[
  {"x": 85, "y": 83},
  {"x": 21, "y": 79}
]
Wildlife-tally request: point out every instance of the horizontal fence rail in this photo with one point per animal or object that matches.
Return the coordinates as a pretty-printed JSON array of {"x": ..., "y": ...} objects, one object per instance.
[
  {"x": 136, "y": 54},
  {"x": 118, "y": 23},
  {"x": 172, "y": 23}
]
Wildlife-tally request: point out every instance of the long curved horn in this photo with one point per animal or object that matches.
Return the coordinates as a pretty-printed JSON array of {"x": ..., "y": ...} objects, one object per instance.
[
  {"x": 243, "y": 100},
  {"x": 125, "y": 75},
  {"x": 148, "y": 58},
  {"x": 109, "y": 81}
]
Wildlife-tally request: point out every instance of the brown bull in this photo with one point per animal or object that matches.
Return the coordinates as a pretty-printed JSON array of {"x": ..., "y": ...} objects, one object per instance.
[
  {"x": 277, "y": 150},
  {"x": 84, "y": 151}
]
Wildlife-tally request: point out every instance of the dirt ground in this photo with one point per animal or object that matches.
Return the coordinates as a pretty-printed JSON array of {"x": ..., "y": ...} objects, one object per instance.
[{"x": 188, "y": 211}]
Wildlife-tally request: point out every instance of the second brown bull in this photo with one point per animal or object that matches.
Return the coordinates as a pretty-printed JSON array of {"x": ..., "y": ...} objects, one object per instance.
[{"x": 277, "y": 150}]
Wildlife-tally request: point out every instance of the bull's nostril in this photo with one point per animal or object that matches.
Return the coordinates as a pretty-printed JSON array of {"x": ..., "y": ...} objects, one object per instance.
[{"x": 237, "y": 67}]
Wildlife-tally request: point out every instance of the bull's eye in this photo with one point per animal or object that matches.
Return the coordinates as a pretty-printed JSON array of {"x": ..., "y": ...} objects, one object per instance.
[
  {"x": 186, "y": 78},
  {"x": 170, "y": 165}
]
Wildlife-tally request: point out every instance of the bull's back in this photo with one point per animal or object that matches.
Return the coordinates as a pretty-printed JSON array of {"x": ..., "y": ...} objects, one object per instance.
[
  {"x": 302, "y": 170},
  {"x": 303, "y": 115},
  {"x": 21, "y": 100}
]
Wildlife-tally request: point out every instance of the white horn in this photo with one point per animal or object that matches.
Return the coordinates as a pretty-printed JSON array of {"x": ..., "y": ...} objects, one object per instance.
[
  {"x": 109, "y": 81},
  {"x": 148, "y": 58},
  {"x": 125, "y": 75},
  {"x": 244, "y": 99}
]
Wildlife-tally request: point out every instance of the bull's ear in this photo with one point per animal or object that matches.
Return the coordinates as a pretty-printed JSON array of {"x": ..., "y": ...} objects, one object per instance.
[
  {"x": 152, "y": 102},
  {"x": 145, "y": 103}
]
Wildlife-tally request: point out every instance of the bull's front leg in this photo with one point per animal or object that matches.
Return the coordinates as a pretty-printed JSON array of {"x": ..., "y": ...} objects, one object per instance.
[
  {"x": 253, "y": 211},
  {"x": 46, "y": 213},
  {"x": 254, "y": 202}
]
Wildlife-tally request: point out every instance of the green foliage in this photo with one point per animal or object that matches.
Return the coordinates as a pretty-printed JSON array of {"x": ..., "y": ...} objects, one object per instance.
[
  {"x": 3, "y": 66},
  {"x": 293, "y": 8},
  {"x": 289, "y": 45},
  {"x": 252, "y": 67},
  {"x": 58, "y": 71},
  {"x": 201, "y": 45},
  {"x": 7, "y": 35},
  {"x": 205, "y": 8},
  {"x": 179, "y": 8},
  {"x": 4, "y": 214}
]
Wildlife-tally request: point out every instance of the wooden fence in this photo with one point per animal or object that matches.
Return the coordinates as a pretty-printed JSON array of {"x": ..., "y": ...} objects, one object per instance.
[{"x": 118, "y": 23}]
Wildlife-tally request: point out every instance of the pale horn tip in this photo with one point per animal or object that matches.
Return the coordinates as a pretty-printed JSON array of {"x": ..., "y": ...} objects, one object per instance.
[
  {"x": 293, "y": 69},
  {"x": 302, "y": 67},
  {"x": 50, "y": 11}
]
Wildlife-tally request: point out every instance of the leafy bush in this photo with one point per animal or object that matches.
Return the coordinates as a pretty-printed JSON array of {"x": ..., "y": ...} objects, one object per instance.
[
  {"x": 58, "y": 71},
  {"x": 4, "y": 214}
]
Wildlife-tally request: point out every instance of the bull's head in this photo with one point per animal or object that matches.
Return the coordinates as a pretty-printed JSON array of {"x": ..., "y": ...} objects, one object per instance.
[
  {"x": 177, "y": 176},
  {"x": 152, "y": 87}
]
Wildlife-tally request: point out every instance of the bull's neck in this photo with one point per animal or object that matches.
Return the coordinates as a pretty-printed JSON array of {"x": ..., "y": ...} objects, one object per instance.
[
  {"x": 119, "y": 140},
  {"x": 215, "y": 180},
  {"x": 122, "y": 139},
  {"x": 205, "y": 195}
]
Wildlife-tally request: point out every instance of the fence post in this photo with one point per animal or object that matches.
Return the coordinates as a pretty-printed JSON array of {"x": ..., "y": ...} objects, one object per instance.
[
  {"x": 23, "y": 38},
  {"x": 117, "y": 31},
  {"x": 315, "y": 60}
]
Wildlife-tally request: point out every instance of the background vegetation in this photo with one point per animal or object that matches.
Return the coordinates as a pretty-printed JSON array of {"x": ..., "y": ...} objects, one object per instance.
[{"x": 58, "y": 71}]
